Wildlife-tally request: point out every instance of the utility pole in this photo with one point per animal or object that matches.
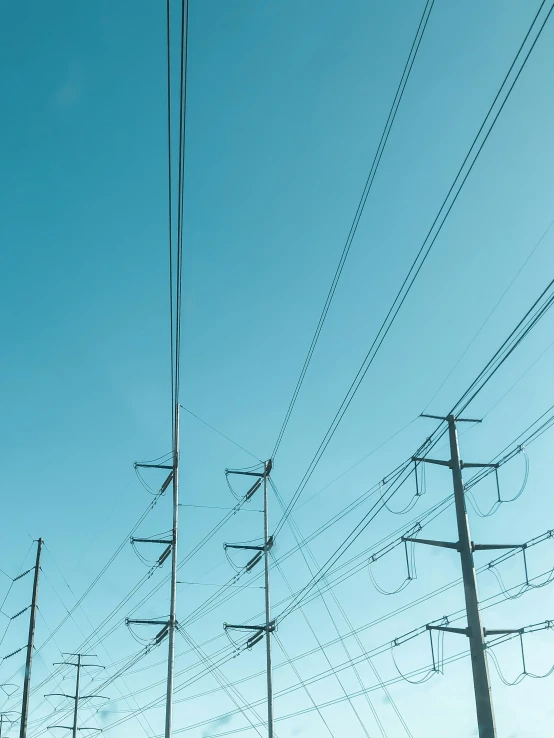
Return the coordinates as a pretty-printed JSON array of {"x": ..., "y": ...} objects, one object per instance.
[
  {"x": 77, "y": 696},
  {"x": 267, "y": 547},
  {"x": 77, "y": 683},
  {"x": 263, "y": 550},
  {"x": 173, "y": 601},
  {"x": 30, "y": 647},
  {"x": 481, "y": 679},
  {"x": 170, "y": 625},
  {"x": 5, "y": 718},
  {"x": 465, "y": 547}
]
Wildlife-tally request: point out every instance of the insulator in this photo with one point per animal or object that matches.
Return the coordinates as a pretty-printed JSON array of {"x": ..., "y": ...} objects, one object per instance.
[
  {"x": 17, "y": 614},
  {"x": 162, "y": 634},
  {"x": 253, "y": 561},
  {"x": 253, "y": 489},
  {"x": 164, "y": 556},
  {"x": 254, "y": 639},
  {"x": 165, "y": 485}
]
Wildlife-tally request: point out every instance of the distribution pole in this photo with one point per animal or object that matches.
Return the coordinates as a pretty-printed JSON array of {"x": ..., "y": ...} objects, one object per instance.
[
  {"x": 173, "y": 603},
  {"x": 77, "y": 697},
  {"x": 466, "y": 547},
  {"x": 76, "y": 707},
  {"x": 169, "y": 626},
  {"x": 30, "y": 647},
  {"x": 262, "y": 551},
  {"x": 481, "y": 680},
  {"x": 267, "y": 546}
]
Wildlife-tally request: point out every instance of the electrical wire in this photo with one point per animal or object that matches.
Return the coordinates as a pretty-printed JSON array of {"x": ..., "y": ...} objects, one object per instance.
[
  {"x": 219, "y": 433},
  {"x": 359, "y": 210},
  {"x": 432, "y": 235}
]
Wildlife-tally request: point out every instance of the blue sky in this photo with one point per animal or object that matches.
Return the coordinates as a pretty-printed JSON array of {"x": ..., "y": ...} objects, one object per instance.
[{"x": 285, "y": 109}]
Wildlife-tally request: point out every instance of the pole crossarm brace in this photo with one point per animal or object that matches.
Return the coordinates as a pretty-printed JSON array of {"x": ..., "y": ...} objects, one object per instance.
[
  {"x": 239, "y": 546},
  {"x": 243, "y": 548},
  {"x": 151, "y": 540},
  {"x": 60, "y": 694},
  {"x": 70, "y": 727},
  {"x": 263, "y": 628},
  {"x": 427, "y": 542},
  {"x": 265, "y": 473},
  {"x": 245, "y": 473},
  {"x": 439, "y": 462},
  {"x": 471, "y": 465},
  {"x": 448, "y": 629},
  {"x": 94, "y": 696},
  {"x": 139, "y": 465},
  {"x": 495, "y": 546},
  {"x": 458, "y": 420}
]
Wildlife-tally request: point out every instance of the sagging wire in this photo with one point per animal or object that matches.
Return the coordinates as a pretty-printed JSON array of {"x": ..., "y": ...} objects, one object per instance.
[
  {"x": 151, "y": 563},
  {"x": 420, "y": 489},
  {"x": 252, "y": 561},
  {"x": 411, "y": 570},
  {"x": 437, "y": 654},
  {"x": 245, "y": 497},
  {"x": 524, "y": 673},
  {"x": 499, "y": 501},
  {"x": 148, "y": 642},
  {"x": 238, "y": 648},
  {"x": 231, "y": 487},
  {"x": 155, "y": 492},
  {"x": 238, "y": 569},
  {"x": 528, "y": 584}
]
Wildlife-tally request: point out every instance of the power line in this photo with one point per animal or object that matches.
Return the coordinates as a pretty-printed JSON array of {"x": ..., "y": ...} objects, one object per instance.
[
  {"x": 359, "y": 210},
  {"x": 246, "y": 451},
  {"x": 423, "y": 253}
]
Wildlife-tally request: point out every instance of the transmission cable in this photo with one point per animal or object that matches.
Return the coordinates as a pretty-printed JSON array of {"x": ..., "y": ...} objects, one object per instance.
[
  {"x": 359, "y": 210},
  {"x": 421, "y": 256}
]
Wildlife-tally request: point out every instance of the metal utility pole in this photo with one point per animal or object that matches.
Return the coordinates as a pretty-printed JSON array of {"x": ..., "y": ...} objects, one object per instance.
[
  {"x": 262, "y": 550},
  {"x": 77, "y": 696},
  {"x": 173, "y": 602},
  {"x": 481, "y": 680},
  {"x": 170, "y": 625},
  {"x": 465, "y": 547},
  {"x": 76, "y": 708},
  {"x": 267, "y": 547},
  {"x": 30, "y": 647}
]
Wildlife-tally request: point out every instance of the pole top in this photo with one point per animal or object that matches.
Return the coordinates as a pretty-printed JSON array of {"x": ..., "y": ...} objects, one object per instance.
[{"x": 450, "y": 418}]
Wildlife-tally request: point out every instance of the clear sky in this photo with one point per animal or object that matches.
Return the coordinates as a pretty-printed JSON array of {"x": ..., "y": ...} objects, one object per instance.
[{"x": 286, "y": 105}]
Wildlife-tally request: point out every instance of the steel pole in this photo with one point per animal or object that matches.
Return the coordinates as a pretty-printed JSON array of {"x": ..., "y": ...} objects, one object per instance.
[
  {"x": 30, "y": 647},
  {"x": 76, "y": 708},
  {"x": 267, "y": 610},
  {"x": 481, "y": 681},
  {"x": 173, "y": 604}
]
